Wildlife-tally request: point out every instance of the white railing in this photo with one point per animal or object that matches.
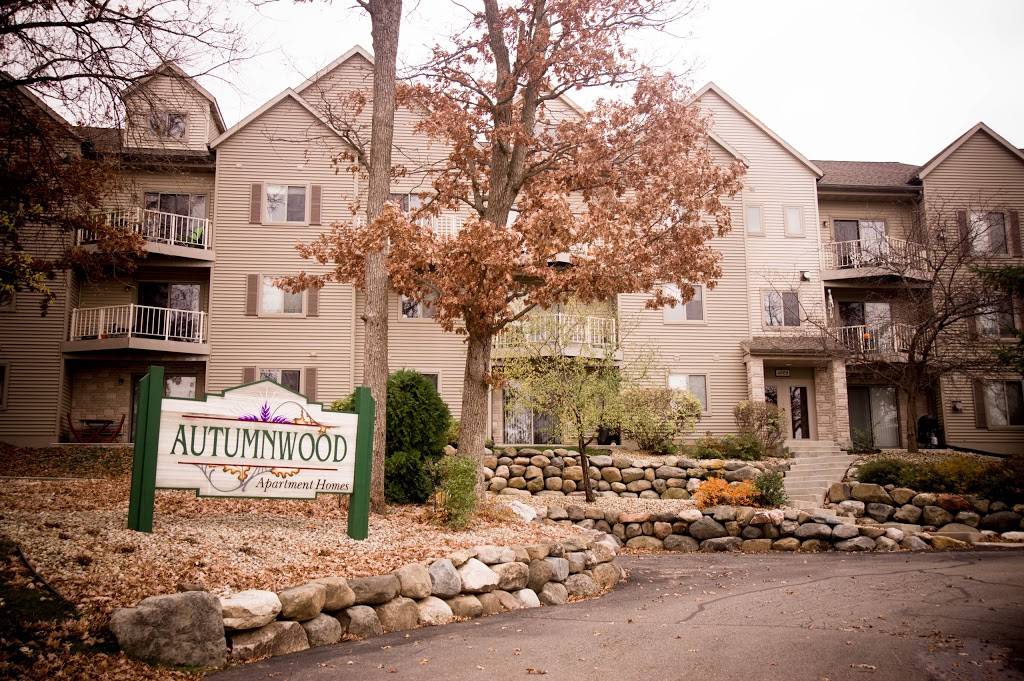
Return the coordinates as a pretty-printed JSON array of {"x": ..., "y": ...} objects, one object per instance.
[
  {"x": 896, "y": 255},
  {"x": 561, "y": 329},
  {"x": 140, "y": 321},
  {"x": 443, "y": 226},
  {"x": 870, "y": 339},
  {"x": 156, "y": 226}
]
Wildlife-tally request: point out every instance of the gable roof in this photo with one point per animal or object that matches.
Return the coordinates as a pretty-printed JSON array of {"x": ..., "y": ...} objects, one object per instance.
[
  {"x": 267, "y": 106},
  {"x": 937, "y": 160},
  {"x": 177, "y": 72},
  {"x": 868, "y": 174},
  {"x": 355, "y": 50},
  {"x": 711, "y": 87},
  {"x": 729, "y": 148},
  {"x": 33, "y": 100}
]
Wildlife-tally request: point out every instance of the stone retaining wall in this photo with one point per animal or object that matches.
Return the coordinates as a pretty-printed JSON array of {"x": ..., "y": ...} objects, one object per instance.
[
  {"x": 559, "y": 473},
  {"x": 198, "y": 629},
  {"x": 753, "y": 530}
]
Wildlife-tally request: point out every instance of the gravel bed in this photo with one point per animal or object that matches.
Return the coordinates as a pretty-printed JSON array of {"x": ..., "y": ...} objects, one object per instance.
[{"x": 75, "y": 534}]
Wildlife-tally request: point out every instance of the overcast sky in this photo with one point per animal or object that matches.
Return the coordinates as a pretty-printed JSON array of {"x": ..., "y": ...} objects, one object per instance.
[{"x": 882, "y": 80}]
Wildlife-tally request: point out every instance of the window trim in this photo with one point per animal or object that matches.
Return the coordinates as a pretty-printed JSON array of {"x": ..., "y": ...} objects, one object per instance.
[
  {"x": 278, "y": 315},
  {"x": 302, "y": 375},
  {"x": 785, "y": 225},
  {"x": 6, "y": 385},
  {"x": 765, "y": 325},
  {"x": 707, "y": 385},
  {"x": 988, "y": 416},
  {"x": 762, "y": 232},
  {"x": 265, "y": 205},
  {"x": 703, "y": 307},
  {"x": 436, "y": 371}
]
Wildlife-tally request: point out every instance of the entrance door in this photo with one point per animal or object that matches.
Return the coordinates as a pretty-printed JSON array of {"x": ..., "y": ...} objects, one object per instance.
[
  {"x": 799, "y": 413},
  {"x": 795, "y": 398}
]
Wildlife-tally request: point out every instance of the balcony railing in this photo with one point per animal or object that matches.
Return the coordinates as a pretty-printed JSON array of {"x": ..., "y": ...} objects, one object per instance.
[
  {"x": 892, "y": 254},
  {"x": 875, "y": 339},
  {"x": 156, "y": 227},
  {"x": 443, "y": 226},
  {"x": 560, "y": 329},
  {"x": 138, "y": 321}
]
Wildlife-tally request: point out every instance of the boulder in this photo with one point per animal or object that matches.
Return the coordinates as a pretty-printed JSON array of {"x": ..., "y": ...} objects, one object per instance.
[
  {"x": 361, "y": 621},
  {"x": 707, "y": 528},
  {"x": 490, "y": 604},
  {"x": 607, "y": 575},
  {"x": 852, "y": 507},
  {"x": 601, "y": 461},
  {"x": 959, "y": 531},
  {"x": 375, "y": 590},
  {"x": 398, "y": 614},
  {"x": 944, "y": 543},
  {"x": 414, "y": 580},
  {"x": 813, "y": 531},
  {"x": 902, "y": 495},
  {"x": 722, "y": 514},
  {"x": 512, "y": 576},
  {"x": 271, "y": 640},
  {"x": 936, "y": 516},
  {"x": 786, "y": 544},
  {"x": 741, "y": 474},
  {"x": 968, "y": 518},
  {"x": 538, "y": 551},
  {"x": 249, "y": 609},
  {"x": 886, "y": 544},
  {"x": 445, "y": 581},
  {"x": 465, "y": 605},
  {"x": 880, "y": 512},
  {"x": 528, "y": 597},
  {"x": 1001, "y": 521},
  {"x": 507, "y": 600},
  {"x": 553, "y": 593},
  {"x": 560, "y": 568},
  {"x": 581, "y": 586},
  {"x": 908, "y": 513},
  {"x": 525, "y": 512},
  {"x": 301, "y": 603},
  {"x": 856, "y": 544},
  {"x": 182, "y": 629},
  {"x": 914, "y": 543},
  {"x": 756, "y": 546},
  {"x": 838, "y": 492},
  {"x": 924, "y": 499},
  {"x": 1013, "y": 536},
  {"x": 477, "y": 577},
  {"x": 645, "y": 543},
  {"x": 721, "y": 544},
  {"x": 339, "y": 594},
  {"x": 870, "y": 493},
  {"x": 323, "y": 630},
  {"x": 842, "y": 532},
  {"x": 814, "y": 545}
]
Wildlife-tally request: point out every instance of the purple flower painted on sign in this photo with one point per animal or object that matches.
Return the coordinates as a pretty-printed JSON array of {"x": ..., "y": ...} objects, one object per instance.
[{"x": 264, "y": 416}]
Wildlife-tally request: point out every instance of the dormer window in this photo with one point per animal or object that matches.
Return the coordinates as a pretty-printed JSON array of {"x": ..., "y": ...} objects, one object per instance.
[{"x": 167, "y": 124}]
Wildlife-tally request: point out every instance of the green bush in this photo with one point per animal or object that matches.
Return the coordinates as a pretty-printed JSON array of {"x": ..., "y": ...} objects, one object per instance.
[
  {"x": 745, "y": 447},
  {"x": 995, "y": 480},
  {"x": 771, "y": 489},
  {"x": 452, "y": 435},
  {"x": 344, "y": 404},
  {"x": 458, "y": 489},
  {"x": 762, "y": 421},
  {"x": 886, "y": 471},
  {"x": 417, "y": 417},
  {"x": 654, "y": 417},
  {"x": 407, "y": 478}
]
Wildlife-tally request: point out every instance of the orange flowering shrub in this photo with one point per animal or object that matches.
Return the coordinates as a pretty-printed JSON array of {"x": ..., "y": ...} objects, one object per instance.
[{"x": 716, "y": 491}]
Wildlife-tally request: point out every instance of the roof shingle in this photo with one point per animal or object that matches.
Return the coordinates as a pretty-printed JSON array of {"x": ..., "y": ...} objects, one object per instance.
[{"x": 867, "y": 174}]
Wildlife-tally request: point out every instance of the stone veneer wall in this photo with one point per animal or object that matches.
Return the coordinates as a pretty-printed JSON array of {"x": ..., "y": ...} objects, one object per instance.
[
  {"x": 559, "y": 473},
  {"x": 198, "y": 629}
]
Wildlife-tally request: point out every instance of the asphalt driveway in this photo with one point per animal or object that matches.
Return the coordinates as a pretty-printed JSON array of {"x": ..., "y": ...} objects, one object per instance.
[{"x": 712, "y": 617}]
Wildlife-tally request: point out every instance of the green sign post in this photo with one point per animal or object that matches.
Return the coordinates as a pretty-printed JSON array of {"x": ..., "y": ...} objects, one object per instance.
[{"x": 258, "y": 440}]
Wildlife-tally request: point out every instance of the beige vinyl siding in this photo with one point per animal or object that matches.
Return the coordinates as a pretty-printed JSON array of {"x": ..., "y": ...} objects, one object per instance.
[
  {"x": 133, "y": 186},
  {"x": 981, "y": 174},
  {"x": 898, "y": 215},
  {"x": 268, "y": 150},
  {"x": 164, "y": 93},
  {"x": 775, "y": 180}
]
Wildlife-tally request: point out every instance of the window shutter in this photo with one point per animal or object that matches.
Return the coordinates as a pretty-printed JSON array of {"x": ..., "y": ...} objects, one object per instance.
[
  {"x": 1015, "y": 234},
  {"x": 980, "y": 418},
  {"x": 256, "y": 203},
  {"x": 309, "y": 373},
  {"x": 312, "y": 302},
  {"x": 965, "y": 234},
  {"x": 315, "y": 193},
  {"x": 252, "y": 290},
  {"x": 248, "y": 374}
]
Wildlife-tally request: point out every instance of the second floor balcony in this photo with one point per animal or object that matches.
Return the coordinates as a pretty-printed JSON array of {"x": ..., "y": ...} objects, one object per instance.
[
  {"x": 137, "y": 327},
  {"x": 164, "y": 233},
  {"x": 566, "y": 334},
  {"x": 887, "y": 341},
  {"x": 878, "y": 256}
]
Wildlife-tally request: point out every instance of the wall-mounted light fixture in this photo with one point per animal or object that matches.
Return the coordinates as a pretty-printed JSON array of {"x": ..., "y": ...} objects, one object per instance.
[
  {"x": 805, "y": 275},
  {"x": 957, "y": 406}
]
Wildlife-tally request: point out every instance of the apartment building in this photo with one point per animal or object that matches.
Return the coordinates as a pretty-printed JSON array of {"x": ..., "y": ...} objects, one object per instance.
[{"x": 221, "y": 210}]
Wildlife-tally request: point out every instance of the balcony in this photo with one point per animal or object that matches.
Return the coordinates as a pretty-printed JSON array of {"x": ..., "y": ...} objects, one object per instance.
[
  {"x": 876, "y": 257},
  {"x": 869, "y": 342},
  {"x": 137, "y": 327},
  {"x": 170, "y": 234},
  {"x": 567, "y": 334}
]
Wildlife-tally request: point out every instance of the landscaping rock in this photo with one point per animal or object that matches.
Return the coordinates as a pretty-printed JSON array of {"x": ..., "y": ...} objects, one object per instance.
[
  {"x": 786, "y": 544},
  {"x": 581, "y": 586},
  {"x": 553, "y": 593},
  {"x": 525, "y": 512},
  {"x": 869, "y": 493},
  {"x": 465, "y": 606},
  {"x": 721, "y": 544},
  {"x": 645, "y": 543},
  {"x": 249, "y": 609},
  {"x": 508, "y": 601},
  {"x": 943, "y": 543},
  {"x": 924, "y": 499},
  {"x": 490, "y": 604},
  {"x": 843, "y": 532},
  {"x": 914, "y": 543},
  {"x": 414, "y": 580},
  {"x": 182, "y": 629},
  {"x": 477, "y": 577},
  {"x": 690, "y": 515},
  {"x": 813, "y": 531},
  {"x": 445, "y": 581},
  {"x": 706, "y": 528},
  {"x": 880, "y": 512},
  {"x": 607, "y": 575},
  {"x": 361, "y": 621},
  {"x": 1013, "y": 536},
  {"x": 375, "y": 590},
  {"x": 886, "y": 544},
  {"x": 540, "y": 573},
  {"x": 908, "y": 513},
  {"x": 838, "y": 492},
  {"x": 339, "y": 594},
  {"x": 276, "y": 638},
  {"x": 1001, "y": 521},
  {"x": 814, "y": 545},
  {"x": 512, "y": 576},
  {"x": 528, "y": 597},
  {"x": 902, "y": 495},
  {"x": 756, "y": 546},
  {"x": 856, "y": 544},
  {"x": 433, "y": 611},
  {"x": 398, "y": 614},
  {"x": 969, "y": 518},
  {"x": 852, "y": 507},
  {"x": 322, "y": 630},
  {"x": 301, "y": 603},
  {"x": 964, "y": 533},
  {"x": 936, "y": 516},
  {"x": 745, "y": 473}
]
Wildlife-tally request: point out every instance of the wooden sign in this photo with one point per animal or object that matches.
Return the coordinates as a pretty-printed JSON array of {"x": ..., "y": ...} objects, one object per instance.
[{"x": 259, "y": 440}]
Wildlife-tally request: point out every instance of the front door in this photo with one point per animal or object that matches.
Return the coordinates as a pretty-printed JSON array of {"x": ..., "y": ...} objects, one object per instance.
[{"x": 795, "y": 398}]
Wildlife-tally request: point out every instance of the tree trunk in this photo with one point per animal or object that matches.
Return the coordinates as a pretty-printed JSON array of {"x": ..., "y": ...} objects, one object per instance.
[
  {"x": 911, "y": 425},
  {"x": 385, "y": 18},
  {"x": 588, "y": 487},
  {"x": 473, "y": 424}
]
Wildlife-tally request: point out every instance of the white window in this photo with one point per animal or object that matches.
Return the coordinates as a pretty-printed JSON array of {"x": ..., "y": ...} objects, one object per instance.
[
  {"x": 407, "y": 202},
  {"x": 695, "y": 384},
  {"x": 794, "y": 219},
  {"x": 754, "y": 218},
  {"x": 997, "y": 321},
  {"x": 691, "y": 311},
  {"x": 285, "y": 203},
  {"x": 169, "y": 124},
  {"x": 180, "y": 386},
  {"x": 988, "y": 232},
  {"x": 780, "y": 308},
  {"x": 191, "y": 205},
  {"x": 1004, "y": 403},
  {"x": 274, "y": 300},
  {"x": 289, "y": 378},
  {"x": 426, "y": 309}
]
